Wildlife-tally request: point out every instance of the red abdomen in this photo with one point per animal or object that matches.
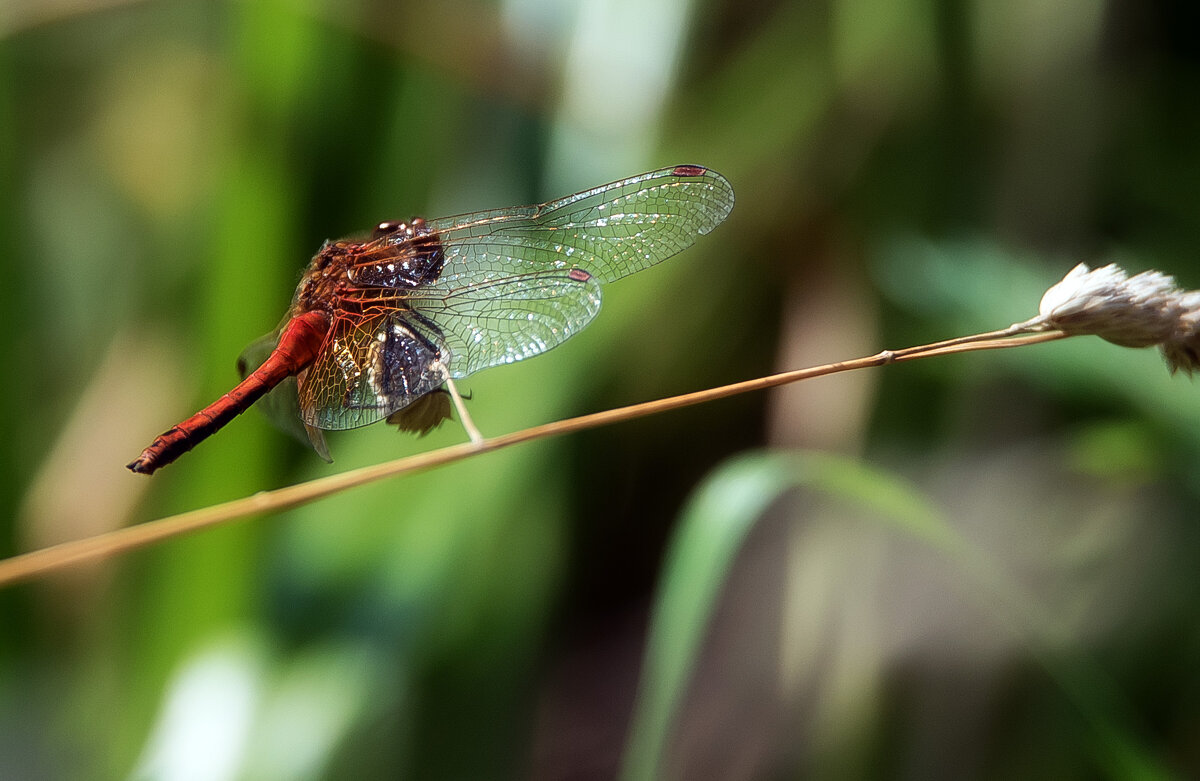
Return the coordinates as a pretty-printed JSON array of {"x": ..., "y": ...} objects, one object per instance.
[{"x": 298, "y": 344}]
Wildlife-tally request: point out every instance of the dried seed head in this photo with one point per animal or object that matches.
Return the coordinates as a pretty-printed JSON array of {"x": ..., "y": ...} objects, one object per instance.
[
  {"x": 1182, "y": 350},
  {"x": 1139, "y": 311}
]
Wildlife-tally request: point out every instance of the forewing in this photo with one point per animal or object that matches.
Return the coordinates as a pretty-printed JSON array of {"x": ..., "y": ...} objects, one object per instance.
[
  {"x": 610, "y": 231},
  {"x": 369, "y": 367},
  {"x": 504, "y": 320}
]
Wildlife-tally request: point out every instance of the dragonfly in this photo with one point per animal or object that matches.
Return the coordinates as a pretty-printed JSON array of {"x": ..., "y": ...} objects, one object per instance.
[{"x": 379, "y": 326}]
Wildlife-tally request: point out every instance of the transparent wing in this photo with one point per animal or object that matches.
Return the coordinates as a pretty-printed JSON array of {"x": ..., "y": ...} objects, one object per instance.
[
  {"x": 609, "y": 231},
  {"x": 482, "y": 289},
  {"x": 504, "y": 320},
  {"x": 369, "y": 366}
]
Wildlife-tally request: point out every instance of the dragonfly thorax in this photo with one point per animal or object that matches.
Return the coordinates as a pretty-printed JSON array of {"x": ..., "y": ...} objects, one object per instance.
[{"x": 326, "y": 277}]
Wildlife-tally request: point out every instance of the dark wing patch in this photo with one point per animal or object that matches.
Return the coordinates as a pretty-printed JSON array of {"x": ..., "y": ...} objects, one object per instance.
[{"x": 368, "y": 368}]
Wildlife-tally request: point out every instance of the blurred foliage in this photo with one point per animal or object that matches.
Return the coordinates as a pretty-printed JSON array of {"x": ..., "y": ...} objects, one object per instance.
[{"x": 906, "y": 170}]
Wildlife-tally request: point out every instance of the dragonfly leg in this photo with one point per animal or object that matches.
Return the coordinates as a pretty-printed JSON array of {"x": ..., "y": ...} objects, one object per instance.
[{"x": 463, "y": 416}]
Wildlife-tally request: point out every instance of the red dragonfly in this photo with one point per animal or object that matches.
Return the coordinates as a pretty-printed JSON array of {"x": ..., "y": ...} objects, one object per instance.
[{"x": 376, "y": 325}]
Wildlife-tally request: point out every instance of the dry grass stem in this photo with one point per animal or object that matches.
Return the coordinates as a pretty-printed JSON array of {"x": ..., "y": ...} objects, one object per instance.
[{"x": 46, "y": 560}]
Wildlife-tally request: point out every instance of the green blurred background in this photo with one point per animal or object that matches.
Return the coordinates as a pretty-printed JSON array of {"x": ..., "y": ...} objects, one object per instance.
[{"x": 980, "y": 566}]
